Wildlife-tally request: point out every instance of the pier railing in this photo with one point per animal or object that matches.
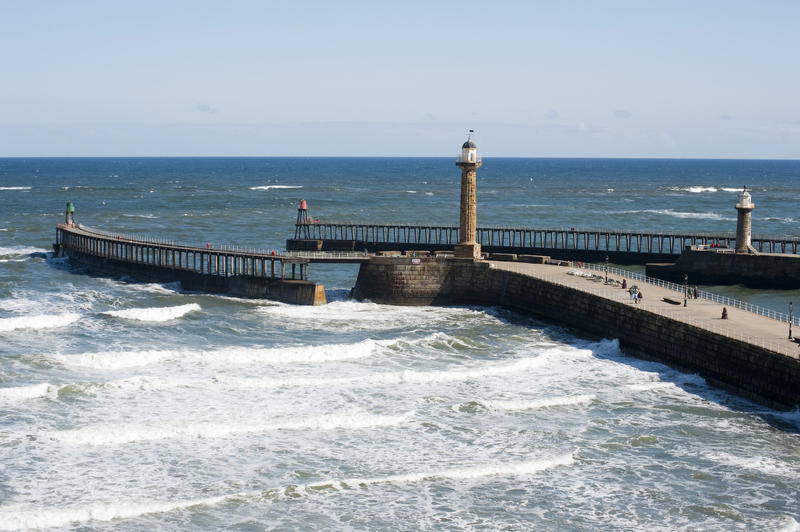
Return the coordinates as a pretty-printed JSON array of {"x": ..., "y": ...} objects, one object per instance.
[
  {"x": 702, "y": 294},
  {"x": 224, "y": 261},
  {"x": 665, "y": 243}
]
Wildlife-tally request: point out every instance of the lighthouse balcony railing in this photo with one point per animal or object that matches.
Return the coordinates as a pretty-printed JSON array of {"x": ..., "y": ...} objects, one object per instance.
[{"x": 461, "y": 159}]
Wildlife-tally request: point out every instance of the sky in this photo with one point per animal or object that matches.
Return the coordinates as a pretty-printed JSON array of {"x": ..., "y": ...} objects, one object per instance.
[{"x": 701, "y": 78}]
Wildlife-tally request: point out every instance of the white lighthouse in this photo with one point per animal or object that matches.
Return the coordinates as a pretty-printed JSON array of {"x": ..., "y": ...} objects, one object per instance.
[{"x": 745, "y": 207}]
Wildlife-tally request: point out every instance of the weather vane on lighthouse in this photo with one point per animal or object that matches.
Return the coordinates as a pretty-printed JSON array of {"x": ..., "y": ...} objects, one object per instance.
[{"x": 469, "y": 161}]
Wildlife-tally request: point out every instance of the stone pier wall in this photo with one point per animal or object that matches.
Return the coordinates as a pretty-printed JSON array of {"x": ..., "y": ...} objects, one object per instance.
[
  {"x": 745, "y": 369},
  {"x": 762, "y": 270}
]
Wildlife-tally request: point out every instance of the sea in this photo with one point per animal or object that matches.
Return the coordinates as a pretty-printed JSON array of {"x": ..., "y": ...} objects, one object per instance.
[{"x": 133, "y": 406}]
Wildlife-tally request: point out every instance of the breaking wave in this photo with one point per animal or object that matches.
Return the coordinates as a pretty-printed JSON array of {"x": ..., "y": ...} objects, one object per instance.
[
  {"x": 15, "y": 188},
  {"x": 22, "y": 393},
  {"x": 112, "y": 360},
  {"x": 19, "y": 250},
  {"x": 40, "y": 321},
  {"x": 155, "y": 314},
  {"x": 115, "y": 434},
  {"x": 539, "y": 403},
  {"x": 19, "y": 516}
]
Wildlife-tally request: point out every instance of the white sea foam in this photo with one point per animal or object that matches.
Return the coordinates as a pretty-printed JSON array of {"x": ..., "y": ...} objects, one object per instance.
[
  {"x": 269, "y": 187},
  {"x": 112, "y": 360},
  {"x": 148, "y": 216},
  {"x": 787, "y": 524},
  {"x": 22, "y": 393},
  {"x": 15, "y": 188},
  {"x": 547, "y": 402},
  {"x": 22, "y": 516},
  {"x": 411, "y": 191},
  {"x": 116, "y": 434},
  {"x": 398, "y": 377},
  {"x": 357, "y": 315},
  {"x": 485, "y": 470},
  {"x": 649, "y": 386},
  {"x": 39, "y": 321},
  {"x": 8, "y": 251},
  {"x": 761, "y": 464},
  {"x": 155, "y": 314}
]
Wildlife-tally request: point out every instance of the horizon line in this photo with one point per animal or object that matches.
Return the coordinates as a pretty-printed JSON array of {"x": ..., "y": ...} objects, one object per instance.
[{"x": 605, "y": 157}]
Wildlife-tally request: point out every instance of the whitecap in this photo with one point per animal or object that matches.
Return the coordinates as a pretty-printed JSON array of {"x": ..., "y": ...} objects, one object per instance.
[
  {"x": 680, "y": 214},
  {"x": 698, "y": 189},
  {"x": 269, "y": 187},
  {"x": 154, "y": 314},
  {"x": 39, "y": 321},
  {"x": 411, "y": 191},
  {"x": 148, "y": 216},
  {"x": 15, "y": 188}
]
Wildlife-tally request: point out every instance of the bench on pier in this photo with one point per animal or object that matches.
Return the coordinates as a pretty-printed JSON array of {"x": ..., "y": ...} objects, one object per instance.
[{"x": 671, "y": 301}]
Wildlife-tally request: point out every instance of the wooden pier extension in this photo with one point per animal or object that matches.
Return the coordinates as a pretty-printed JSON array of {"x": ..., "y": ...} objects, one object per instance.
[{"x": 205, "y": 269}]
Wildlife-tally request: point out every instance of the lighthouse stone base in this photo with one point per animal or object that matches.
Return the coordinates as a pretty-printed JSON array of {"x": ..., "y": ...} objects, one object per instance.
[{"x": 467, "y": 251}]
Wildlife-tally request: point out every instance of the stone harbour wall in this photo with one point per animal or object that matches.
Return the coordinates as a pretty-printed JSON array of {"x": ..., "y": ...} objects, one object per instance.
[{"x": 751, "y": 371}]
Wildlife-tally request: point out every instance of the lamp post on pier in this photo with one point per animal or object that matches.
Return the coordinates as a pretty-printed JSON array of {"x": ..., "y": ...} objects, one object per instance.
[
  {"x": 790, "y": 320},
  {"x": 685, "y": 288},
  {"x": 606, "y": 269}
]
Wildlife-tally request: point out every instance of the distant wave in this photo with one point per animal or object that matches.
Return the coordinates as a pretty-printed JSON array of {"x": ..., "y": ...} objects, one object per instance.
[
  {"x": 156, "y": 314},
  {"x": 120, "y": 433},
  {"x": 39, "y": 321},
  {"x": 22, "y": 516},
  {"x": 786, "y": 220},
  {"x": 679, "y": 214},
  {"x": 268, "y": 187},
  {"x": 148, "y": 216},
  {"x": 15, "y": 188},
  {"x": 697, "y": 189}
]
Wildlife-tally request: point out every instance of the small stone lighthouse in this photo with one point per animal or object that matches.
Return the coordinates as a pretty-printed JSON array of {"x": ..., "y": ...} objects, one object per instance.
[
  {"x": 469, "y": 161},
  {"x": 743, "y": 222}
]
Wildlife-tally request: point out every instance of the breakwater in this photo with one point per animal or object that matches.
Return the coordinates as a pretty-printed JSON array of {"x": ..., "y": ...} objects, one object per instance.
[
  {"x": 746, "y": 354},
  {"x": 237, "y": 273},
  {"x": 762, "y": 270}
]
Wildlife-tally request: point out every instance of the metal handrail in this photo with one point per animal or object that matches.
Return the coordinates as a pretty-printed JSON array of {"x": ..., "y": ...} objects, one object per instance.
[{"x": 703, "y": 294}]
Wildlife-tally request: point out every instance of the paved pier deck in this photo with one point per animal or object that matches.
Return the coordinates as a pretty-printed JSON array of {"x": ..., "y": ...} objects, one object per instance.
[{"x": 741, "y": 324}]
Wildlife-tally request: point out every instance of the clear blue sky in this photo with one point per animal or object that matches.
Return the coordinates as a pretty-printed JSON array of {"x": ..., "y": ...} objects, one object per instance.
[{"x": 535, "y": 79}]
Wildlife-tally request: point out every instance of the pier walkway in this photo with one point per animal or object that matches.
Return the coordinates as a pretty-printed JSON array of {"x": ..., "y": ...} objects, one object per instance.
[
  {"x": 742, "y": 324},
  {"x": 376, "y": 237}
]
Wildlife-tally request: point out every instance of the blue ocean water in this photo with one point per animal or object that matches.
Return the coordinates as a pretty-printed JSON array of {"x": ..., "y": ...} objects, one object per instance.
[{"x": 128, "y": 406}]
